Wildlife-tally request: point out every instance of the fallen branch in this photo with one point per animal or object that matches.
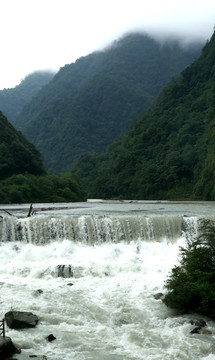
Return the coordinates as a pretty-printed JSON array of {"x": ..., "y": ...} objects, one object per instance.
[
  {"x": 30, "y": 210},
  {"x": 7, "y": 212}
]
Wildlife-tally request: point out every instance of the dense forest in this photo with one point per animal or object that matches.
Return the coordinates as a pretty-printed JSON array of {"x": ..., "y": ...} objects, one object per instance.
[
  {"x": 12, "y": 100},
  {"x": 168, "y": 153},
  {"x": 17, "y": 154},
  {"x": 22, "y": 175},
  {"x": 91, "y": 102},
  {"x": 190, "y": 285},
  {"x": 27, "y": 188}
]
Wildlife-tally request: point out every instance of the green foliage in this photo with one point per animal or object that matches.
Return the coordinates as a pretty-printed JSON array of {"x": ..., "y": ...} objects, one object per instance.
[
  {"x": 13, "y": 100},
  {"x": 168, "y": 153},
  {"x": 191, "y": 285},
  {"x": 44, "y": 188},
  {"x": 91, "y": 102},
  {"x": 22, "y": 176},
  {"x": 17, "y": 155}
]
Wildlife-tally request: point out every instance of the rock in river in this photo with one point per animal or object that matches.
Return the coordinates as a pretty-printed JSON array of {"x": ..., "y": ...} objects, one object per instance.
[{"x": 20, "y": 319}]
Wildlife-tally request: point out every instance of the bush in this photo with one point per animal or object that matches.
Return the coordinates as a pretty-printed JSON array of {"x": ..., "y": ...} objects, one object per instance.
[
  {"x": 191, "y": 285},
  {"x": 43, "y": 188}
]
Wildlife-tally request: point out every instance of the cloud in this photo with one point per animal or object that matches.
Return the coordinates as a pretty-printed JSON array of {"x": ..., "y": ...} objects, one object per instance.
[{"x": 41, "y": 34}]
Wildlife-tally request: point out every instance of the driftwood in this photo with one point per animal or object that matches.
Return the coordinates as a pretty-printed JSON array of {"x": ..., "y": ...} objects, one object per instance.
[
  {"x": 30, "y": 210},
  {"x": 7, "y": 212}
]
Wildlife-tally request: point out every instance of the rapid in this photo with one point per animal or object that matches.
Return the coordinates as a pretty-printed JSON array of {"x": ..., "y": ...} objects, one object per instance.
[{"x": 90, "y": 271}]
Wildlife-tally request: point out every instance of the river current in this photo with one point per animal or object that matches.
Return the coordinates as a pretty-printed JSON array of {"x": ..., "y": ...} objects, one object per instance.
[{"x": 90, "y": 271}]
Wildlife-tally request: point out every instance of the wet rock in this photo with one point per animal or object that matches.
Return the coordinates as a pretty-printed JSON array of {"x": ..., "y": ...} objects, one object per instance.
[
  {"x": 7, "y": 347},
  {"x": 16, "y": 248},
  {"x": 51, "y": 337},
  {"x": 38, "y": 292},
  {"x": 21, "y": 319},
  {"x": 200, "y": 322},
  {"x": 199, "y": 330},
  {"x": 207, "y": 332},
  {"x": 196, "y": 330},
  {"x": 158, "y": 296},
  {"x": 65, "y": 271}
]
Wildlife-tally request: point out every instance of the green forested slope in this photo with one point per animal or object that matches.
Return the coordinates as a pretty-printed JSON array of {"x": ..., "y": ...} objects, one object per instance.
[
  {"x": 27, "y": 188},
  {"x": 91, "y": 102},
  {"x": 12, "y": 100},
  {"x": 17, "y": 155},
  {"x": 169, "y": 153},
  {"x": 22, "y": 175}
]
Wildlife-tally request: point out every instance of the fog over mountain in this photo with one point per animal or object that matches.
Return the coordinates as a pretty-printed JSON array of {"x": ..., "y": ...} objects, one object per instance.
[
  {"x": 169, "y": 152},
  {"x": 12, "y": 100},
  {"x": 92, "y": 101},
  {"x": 41, "y": 35}
]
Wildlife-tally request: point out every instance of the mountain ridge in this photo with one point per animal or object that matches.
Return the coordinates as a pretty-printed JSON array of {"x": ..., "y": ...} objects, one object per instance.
[
  {"x": 169, "y": 152},
  {"x": 92, "y": 101},
  {"x": 17, "y": 154},
  {"x": 12, "y": 100}
]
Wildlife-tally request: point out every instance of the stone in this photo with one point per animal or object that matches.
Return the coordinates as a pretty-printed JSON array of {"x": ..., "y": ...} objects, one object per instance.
[
  {"x": 200, "y": 322},
  {"x": 7, "y": 347},
  {"x": 51, "y": 337},
  {"x": 21, "y": 319},
  {"x": 207, "y": 332},
  {"x": 158, "y": 296},
  {"x": 196, "y": 330},
  {"x": 38, "y": 292},
  {"x": 199, "y": 330},
  {"x": 65, "y": 271}
]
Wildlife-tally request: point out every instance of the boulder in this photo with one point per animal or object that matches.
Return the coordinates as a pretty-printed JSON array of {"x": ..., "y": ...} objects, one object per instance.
[
  {"x": 199, "y": 330},
  {"x": 7, "y": 347},
  {"x": 207, "y": 332},
  {"x": 51, "y": 337},
  {"x": 38, "y": 292},
  {"x": 33, "y": 356},
  {"x": 158, "y": 296},
  {"x": 196, "y": 330},
  {"x": 199, "y": 322},
  {"x": 65, "y": 271},
  {"x": 21, "y": 319}
]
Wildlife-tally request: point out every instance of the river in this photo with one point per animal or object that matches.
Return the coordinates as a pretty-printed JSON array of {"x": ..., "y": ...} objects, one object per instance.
[{"x": 90, "y": 271}]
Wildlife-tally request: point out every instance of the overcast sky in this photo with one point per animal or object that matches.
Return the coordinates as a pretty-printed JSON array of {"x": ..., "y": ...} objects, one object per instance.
[{"x": 47, "y": 34}]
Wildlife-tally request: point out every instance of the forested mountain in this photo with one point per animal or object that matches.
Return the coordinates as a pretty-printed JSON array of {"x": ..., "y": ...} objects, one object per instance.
[
  {"x": 22, "y": 175},
  {"x": 17, "y": 155},
  {"x": 12, "y": 100},
  {"x": 92, "y": 101},
  {"x": 168, "y": 153}
]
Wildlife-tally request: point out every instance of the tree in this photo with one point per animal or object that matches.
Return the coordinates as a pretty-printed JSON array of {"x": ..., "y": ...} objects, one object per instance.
[{"x": 191, "y": 285}]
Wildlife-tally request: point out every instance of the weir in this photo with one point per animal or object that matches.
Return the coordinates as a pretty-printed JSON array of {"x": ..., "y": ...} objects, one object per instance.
[{"x": 93, "y": 229}]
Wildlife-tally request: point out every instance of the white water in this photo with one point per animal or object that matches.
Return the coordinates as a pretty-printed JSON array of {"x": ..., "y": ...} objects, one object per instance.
[{"x": 118, "y": 265}]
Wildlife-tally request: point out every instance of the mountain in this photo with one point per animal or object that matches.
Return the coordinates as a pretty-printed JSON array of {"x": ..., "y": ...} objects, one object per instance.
[
  {"x": 12, "y": 100},
  {"x": 17, "y": 154},
  {"x": 91, "y": 102},
  {"x": 168, "y": 153},
  {"x": 22, "y": 175}
]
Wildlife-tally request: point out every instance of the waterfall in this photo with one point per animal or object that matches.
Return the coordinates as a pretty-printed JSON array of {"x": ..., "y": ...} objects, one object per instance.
[
  {"x": 91, "y": 273},
  {"x": 94, "y": 229}
]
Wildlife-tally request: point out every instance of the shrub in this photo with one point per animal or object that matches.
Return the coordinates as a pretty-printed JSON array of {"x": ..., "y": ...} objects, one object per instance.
[{"x": 191, "y": 285}]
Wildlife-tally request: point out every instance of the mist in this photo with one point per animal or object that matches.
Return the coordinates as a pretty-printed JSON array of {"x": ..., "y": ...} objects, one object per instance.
[{"x": 42, "y": 35}]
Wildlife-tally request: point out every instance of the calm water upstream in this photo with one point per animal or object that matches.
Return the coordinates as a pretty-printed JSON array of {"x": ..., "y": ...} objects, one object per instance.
[{"x": 97, "y": 266}]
